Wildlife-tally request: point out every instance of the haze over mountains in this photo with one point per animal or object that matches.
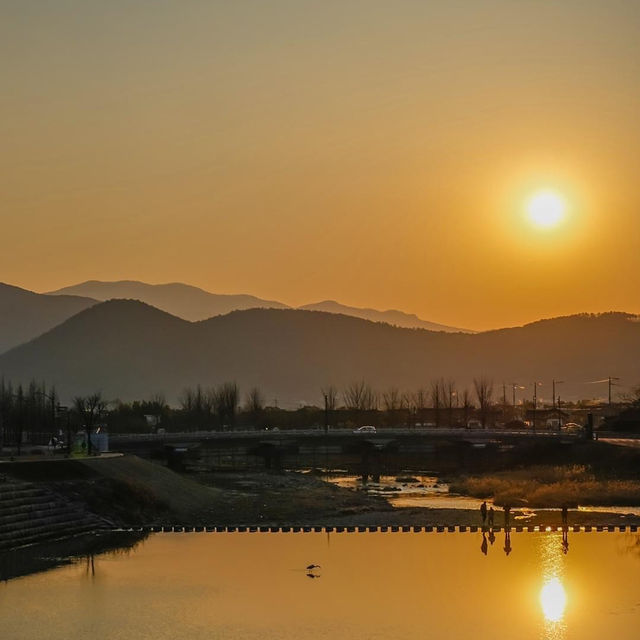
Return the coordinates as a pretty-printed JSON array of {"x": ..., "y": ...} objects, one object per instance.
[
  {"x": 192, "y": 303},
  {"x": 182, "y": 300},
  {"x": 25, "y": 315},
  {"x": 392, "y": 316},
  {"x": 130, "y": 350}
]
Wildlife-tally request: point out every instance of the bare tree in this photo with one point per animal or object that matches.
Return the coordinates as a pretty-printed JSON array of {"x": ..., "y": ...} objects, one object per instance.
[
  {"x": 254, "y": 405},
  {"x": 392, "y": 403},
  {"x": 89, "y": 409},
  {"x": 254, "y": 400},
  {"x": 330, "y": 397},
  {"x": 436, "y": 399},
  {"x": 420, "y": 404},
  {"x": 407, "y": 406},
  {"x": 359, "y": 396},
  {"x": 467, "y": 405},
  {"x": 449, "y": 393},
  {"x": 225, "y": 399},
  {"x": 484, "y": 392}
]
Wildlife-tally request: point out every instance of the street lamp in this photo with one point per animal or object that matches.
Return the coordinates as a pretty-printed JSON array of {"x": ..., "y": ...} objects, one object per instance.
[
  {"x": 554, "y": 383},
  {"x": 62, "y": 410},
  {"x": 536, "y": 384}
]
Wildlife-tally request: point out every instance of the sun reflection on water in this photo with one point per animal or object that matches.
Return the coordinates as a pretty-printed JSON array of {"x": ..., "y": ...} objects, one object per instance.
[
  {"x": 553, "y": 599},
  {"x": 553, "y": 596}
]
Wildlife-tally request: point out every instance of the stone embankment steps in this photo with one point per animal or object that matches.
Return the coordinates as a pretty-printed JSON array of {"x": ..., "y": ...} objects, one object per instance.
[{"x": 29, "y": 514}]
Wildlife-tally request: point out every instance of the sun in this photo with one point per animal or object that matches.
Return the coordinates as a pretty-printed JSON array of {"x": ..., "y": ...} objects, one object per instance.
[
  {"x": 553, "y": 599},
  {"x": 546, "y": 209}
]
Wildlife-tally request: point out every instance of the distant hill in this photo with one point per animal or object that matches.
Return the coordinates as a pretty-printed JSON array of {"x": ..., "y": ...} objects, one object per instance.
[
  {"x": 130, "y": 350},
  {"x": 392, "y": 316},
  {"x": 25, "y": 315},
  {"x": 182, "y": 300},
  {"x": 192, "y": 303}
]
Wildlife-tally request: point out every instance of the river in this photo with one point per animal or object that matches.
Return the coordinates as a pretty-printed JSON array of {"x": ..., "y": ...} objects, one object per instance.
[{"x": 378, "y": 586}]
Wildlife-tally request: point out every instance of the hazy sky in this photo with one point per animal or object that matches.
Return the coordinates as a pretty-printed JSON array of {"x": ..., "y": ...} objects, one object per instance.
[{"x": 375, "y": 152}]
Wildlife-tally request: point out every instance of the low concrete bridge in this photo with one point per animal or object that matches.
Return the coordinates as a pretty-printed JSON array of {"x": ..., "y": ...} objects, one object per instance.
[
  {"x": 364, "y": 453},
  {"x": 469, "y": 435}
]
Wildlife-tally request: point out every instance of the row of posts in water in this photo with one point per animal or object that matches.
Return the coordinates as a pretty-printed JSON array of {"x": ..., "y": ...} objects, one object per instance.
[{"x": 375, "y": 529}]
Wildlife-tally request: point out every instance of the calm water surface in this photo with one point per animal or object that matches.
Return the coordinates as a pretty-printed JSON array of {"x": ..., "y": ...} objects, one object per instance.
[{"x": 370, "y": 586}]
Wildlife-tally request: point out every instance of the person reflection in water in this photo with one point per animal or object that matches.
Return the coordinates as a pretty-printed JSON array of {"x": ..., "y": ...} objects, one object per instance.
[
  {"x": 491, "y": 516},
  {"x": 565, "y": 529},
  {"x": 565, "y": 541},
  {"x": 484, "y": 547},
  {"x": 507, "y": 516},
  {"x": 507, "y": 542},
  {"x": 492, "y": 537}
]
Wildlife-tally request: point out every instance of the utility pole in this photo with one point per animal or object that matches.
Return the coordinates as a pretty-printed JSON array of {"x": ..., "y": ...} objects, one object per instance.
[
  {"x": 514, "y": 386},
  {"x": 504, "y": 402},
  {"x": 554, "y": 383},
  {"x": 611, "y": 381},
  {"x": 535, "y": 401},
  {"x": 326, "y": 413},
  {"x": 611, "y": 384}
]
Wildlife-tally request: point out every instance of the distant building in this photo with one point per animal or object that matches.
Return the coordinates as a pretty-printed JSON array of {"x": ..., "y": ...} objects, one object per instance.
[{"x": 546, "y": 418}]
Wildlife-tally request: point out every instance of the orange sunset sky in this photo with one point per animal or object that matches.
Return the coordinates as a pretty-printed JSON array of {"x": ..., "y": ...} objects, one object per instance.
[{"x": 379, "y": 153}]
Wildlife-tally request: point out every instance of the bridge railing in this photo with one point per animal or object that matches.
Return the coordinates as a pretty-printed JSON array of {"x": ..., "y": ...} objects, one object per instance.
[{"x": 483, "y": 434}]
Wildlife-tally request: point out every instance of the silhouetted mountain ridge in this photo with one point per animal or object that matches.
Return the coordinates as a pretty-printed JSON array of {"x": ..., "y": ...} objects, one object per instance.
[
  {"x": 390, "y": 316},
  {"x": 130, "y": 350},
  {"x": 192, "y": 303},
  {"x": 182, "y": 300},
  {"x": 25, "y": 314}
]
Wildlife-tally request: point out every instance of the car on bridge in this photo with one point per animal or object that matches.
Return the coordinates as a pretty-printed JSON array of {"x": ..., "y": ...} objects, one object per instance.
[{"x": 367, "y": 428}]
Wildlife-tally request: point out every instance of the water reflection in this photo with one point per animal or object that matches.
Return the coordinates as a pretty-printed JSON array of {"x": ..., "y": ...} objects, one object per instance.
[
  {"x": 43, "y": 557},
  {"x": 489, "y": 537},
  {"x": 507, "y": 542},
  {"x": 553, "y": 599},
  {"x": 250, "y": 586},
  {"x": 553, "y": 595}
]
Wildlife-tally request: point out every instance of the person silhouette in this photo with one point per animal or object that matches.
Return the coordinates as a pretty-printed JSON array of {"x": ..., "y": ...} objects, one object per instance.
[
  {"x": 484, "y": 547},
  {"x": 491, "y": 514},
  {"x": 507, "y": 542},
  {"x": 565, "y": 515},
  {"x": 483, "y": 511}
]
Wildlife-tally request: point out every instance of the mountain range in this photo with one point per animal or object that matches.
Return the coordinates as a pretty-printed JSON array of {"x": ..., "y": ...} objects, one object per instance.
[
  {"x": 392, "y": 316},
  {"x": 129, "y": 350},
  {"x": 182, "y": 300},
  {"x": 25, "y": 315},
  {"x": 192, "y": 303}
]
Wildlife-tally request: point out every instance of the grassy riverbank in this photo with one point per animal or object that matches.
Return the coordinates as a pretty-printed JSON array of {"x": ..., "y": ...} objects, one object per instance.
[
  {"x": 550, "y": 486},
  {"x": 127, "y": 491}
]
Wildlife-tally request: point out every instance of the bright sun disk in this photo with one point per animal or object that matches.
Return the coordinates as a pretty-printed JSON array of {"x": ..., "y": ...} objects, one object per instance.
[
  {"x": 553, "y": 599},
  {"x": 546, "y": 209}
]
